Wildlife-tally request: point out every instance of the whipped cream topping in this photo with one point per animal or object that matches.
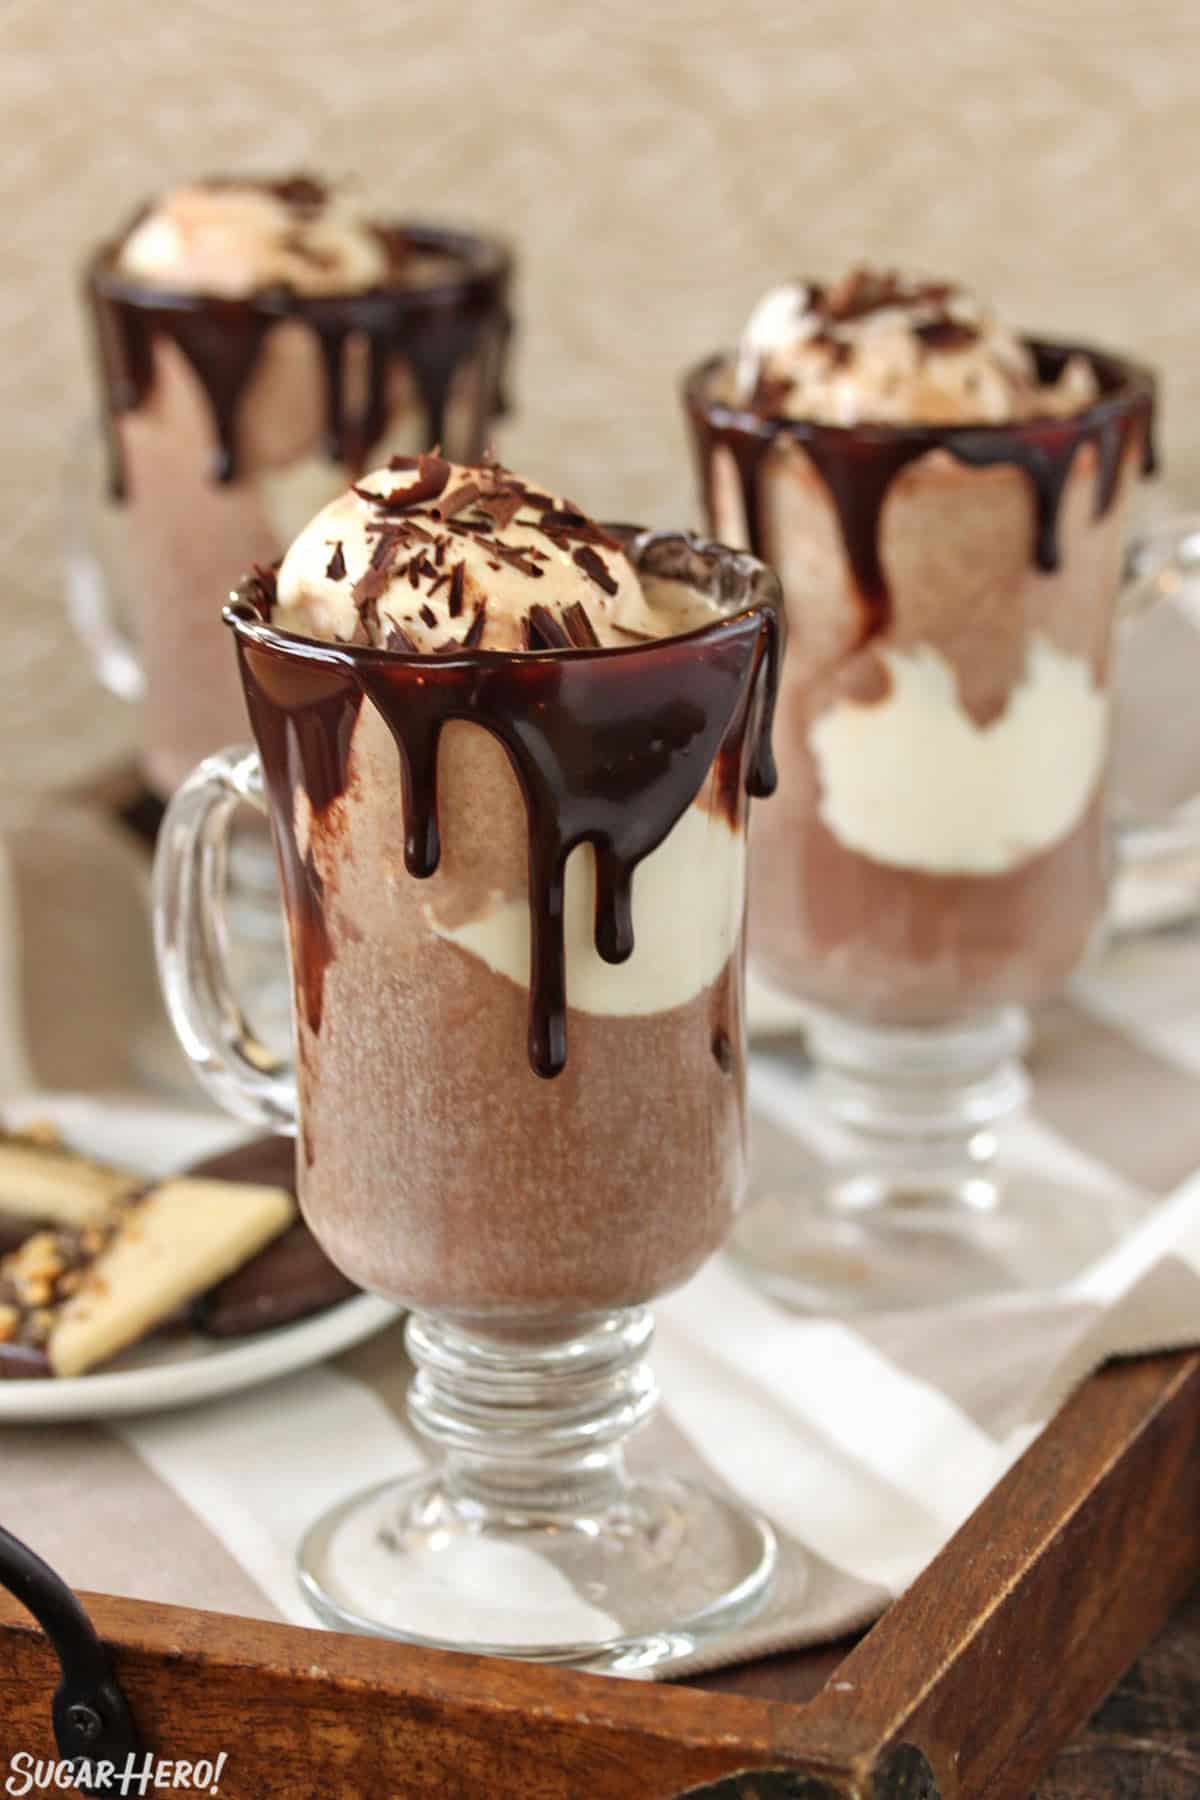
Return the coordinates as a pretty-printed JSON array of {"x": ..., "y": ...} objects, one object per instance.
[
  {"x": 879, "y": 347},
  {"x": 431, "y": 556},
  {"x": 235, "y": 238}
]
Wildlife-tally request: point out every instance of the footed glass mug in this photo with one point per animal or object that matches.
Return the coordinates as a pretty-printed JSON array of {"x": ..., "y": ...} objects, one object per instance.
[
  {"x": 228, "y": 422},
  {"x": 519, "y": 1087},
  {"x": 938, "y": 857}
]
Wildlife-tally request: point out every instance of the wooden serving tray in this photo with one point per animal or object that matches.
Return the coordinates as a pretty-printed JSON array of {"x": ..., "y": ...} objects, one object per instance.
[{"x": 966, "y": 1687}]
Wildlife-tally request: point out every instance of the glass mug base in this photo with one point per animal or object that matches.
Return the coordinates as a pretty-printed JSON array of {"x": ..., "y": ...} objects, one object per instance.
[
  {"x": 861, "y": 1247},
  {"x": 530, "y": 1539},
  {"x": 925, "y": 1203},
  {"x": 640, "y": 1584}
]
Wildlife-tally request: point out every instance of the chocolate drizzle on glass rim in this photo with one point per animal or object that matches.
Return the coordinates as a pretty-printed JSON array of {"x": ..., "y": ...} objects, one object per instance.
[
  {"x": 610, "y": 746},
  {"x": 858, "y": 463},
  {"x": 432, "y": 327}
]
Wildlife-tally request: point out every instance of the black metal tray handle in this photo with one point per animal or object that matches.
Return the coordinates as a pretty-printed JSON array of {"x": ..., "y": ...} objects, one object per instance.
[{"x": 90, "y": 1714}]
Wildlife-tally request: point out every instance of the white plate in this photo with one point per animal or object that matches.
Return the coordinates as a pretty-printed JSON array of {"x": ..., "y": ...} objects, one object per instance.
[{"x": 157, "y": 1140}]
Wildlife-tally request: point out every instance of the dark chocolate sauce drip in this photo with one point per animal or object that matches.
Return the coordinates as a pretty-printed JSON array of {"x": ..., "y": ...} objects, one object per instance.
[
  {"x": 303, "y": 716},
  {"x": 1046, "y": 469},
  {"x": 859, "y": 464},
  {"x": 609, "y": 748},
  {"x": 221, "y": 340},
  {"x": 435, "y": 330},
  {"x": 858, "y": 491},
  {"x": 614, "y": 907}
]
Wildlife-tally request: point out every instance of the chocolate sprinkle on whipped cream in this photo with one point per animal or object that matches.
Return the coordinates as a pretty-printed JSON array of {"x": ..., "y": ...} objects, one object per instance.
[
  {"x": 881, "y": 347},
  {"x": 237, "y": 236},
  {"x": 434, "y": 557}
]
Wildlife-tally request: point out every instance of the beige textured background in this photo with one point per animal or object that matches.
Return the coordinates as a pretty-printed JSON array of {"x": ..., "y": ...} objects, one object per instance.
[{"x": 659, "y": 163}]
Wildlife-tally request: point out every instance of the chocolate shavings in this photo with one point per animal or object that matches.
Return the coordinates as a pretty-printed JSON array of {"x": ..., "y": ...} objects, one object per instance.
[
  {"x": 946, "y": 334},
  {"x": 475, "y": 629},
  {"x": 516, "y": 559},
  {"x": 376, "y": 577},
  {"x": 595, "y": 568},
  {"x": 335, "y": 568},
  {"x": 433, "y": 472},
  {"x": 580, "y": 629},
  {"x": 563, "y": 525},
  {"x": 457, "y": 581},
  {"x": 458, "y": 501},
  {"x": 503, "y": 505},
  {"x": 544, "y": 630}
]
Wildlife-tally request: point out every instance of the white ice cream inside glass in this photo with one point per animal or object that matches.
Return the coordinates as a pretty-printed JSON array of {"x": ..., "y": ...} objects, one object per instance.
[{"x": 914, "y": 782}]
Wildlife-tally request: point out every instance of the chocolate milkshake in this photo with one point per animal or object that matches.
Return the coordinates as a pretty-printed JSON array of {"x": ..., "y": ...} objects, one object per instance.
[
  {"x": 260, "y": 343},
  {"x": 506, "y": 753},
  {"x": 945, "y": 504},
  {"x": 518, "y": 986}
]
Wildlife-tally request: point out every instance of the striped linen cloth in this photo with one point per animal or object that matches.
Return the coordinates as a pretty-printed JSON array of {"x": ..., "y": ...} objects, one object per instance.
[{"x": 832, "y": 1428}]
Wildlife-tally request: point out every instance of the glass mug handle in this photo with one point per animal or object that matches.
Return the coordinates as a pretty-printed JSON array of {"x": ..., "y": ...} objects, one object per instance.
[
  {"x": 1158, "y": 563},
  {"x": 88, "y": 587},
  {"x": 191, "y": 943}
]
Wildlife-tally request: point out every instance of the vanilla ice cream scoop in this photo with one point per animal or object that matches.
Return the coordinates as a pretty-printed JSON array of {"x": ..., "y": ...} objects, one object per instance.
[
  {"x": 235, "y": 238},
  {"x": 433, "y": 556},
  {"x": 880, "y": 347}
]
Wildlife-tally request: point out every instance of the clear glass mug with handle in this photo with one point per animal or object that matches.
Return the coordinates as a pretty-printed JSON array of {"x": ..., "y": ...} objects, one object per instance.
[
  {"x": 940, "y": 855},
  {"x": 227, "y": 423},
  {"x": 519, "y": 1083}
]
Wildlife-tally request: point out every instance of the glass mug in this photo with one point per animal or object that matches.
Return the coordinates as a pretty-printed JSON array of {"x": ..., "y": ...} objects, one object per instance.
[
  {"x": 939, "y": 855},
  {"x": 227, "y": 424},
  {"x": 519, "y": 1083}
]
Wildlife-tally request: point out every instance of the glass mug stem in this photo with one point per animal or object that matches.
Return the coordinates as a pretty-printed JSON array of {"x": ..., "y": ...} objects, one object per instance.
[
  {"x": 913, "y": 1209},
  {"x": 921, "y": 1108},
  {"x": 531, "y": 1510}
]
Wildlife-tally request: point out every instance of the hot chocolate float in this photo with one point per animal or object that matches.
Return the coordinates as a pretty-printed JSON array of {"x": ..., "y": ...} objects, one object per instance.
[
  {"x": 259, "y": 343},
  {"x": 507, "y": 754},
  {"x": 946, "y": 505}
]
